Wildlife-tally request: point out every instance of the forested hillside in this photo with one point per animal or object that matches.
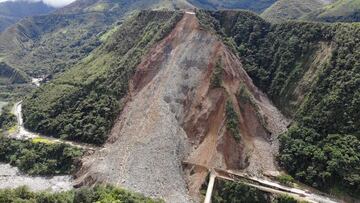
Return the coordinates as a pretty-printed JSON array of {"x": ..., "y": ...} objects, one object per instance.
[
  {"x": 338, "y": 11},
  {"x": 284, "y": 10},
  {"x": 43, "y": 46},
  {"x": 310, "y": 70},
  {"x": 314, "y": 10},
  {"x": 13, "y": 11},
  {"x": 256, "y": 6},
  {"x": 83, "y": 103},
  {"x": 48, "y": 44}
]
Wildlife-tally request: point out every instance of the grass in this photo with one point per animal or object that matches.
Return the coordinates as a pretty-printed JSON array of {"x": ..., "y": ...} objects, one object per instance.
[
  {"x": 100, "y": 7},
  {"x": 285, "y": 179},
  {"x": 42, "y": 140},
  {"x": 340, "y": 7},
  {"x": 13, "y": 129},
  {"x": 108, "y": 33},
  {"x": 284, "y": 10}
]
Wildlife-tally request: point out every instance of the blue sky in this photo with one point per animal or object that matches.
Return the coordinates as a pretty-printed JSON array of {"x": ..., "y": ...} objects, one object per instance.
[{"x": 55, "y": 3}]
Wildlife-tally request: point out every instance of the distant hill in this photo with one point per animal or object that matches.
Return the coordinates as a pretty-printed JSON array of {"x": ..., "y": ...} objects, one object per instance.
[
  {"x": 284, "y": 10},
  {"x": 314, "y": 10},
  {"x": 12, "y": 11},
  {"x": 339, "y": 11},
  {"x": 256, "y": 6},
  {"x": 49, "y": 43}
]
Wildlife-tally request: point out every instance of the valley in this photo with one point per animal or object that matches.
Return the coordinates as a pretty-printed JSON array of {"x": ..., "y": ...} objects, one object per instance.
[{"x": 165, "y": 101}]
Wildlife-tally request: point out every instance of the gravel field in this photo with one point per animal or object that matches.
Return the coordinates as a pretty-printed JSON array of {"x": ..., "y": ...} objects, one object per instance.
[{"x": 10, "y": 177}]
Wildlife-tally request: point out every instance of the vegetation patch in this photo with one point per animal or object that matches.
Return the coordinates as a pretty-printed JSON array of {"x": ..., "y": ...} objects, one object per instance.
[
  {"x": 286, "y": 199},
  {"x": 39, "y": 158},
  {"x": 42, "y": 140},
  {"x": 232, "y": 121},
  {"x": 321, "y": 162},
  {"x": 7, "y": 119},
  {"x": 216, "y": 78},
  {"x": 232, "y": 192},
  {"x": 285, "y": 179},
  {"x": 103, "y": 194}
]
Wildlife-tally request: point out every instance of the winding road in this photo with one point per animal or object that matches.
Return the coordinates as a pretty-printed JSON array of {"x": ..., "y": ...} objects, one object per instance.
[{"x": 24, "y": 134}]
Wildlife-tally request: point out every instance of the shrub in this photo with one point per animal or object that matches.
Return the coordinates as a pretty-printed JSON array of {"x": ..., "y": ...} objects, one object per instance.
[
  {"x": 38, "y": 158},
  {"x": 232, "y": 121}
]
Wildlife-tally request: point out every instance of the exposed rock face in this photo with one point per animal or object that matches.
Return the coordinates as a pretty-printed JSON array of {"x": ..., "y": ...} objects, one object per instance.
[{"x": 173, "y": 114}]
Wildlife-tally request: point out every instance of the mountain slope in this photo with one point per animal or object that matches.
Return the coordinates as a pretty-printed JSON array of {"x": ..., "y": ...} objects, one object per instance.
[
  {"x": 313, "y": 10},
  {"x": 256, "y": 6},
  {"x": 310, "y": 71},
  {"x": 46, "y": 45},
  {"x": 339, "y": 11},
  {"x": 175, "y": 103},
  {"x": 154, "y": 101},
  {"x": 284, "y": 10},
  {"x": 72, "y": 32},
  {"x": 108, "y": 66},
  {"x": 13, "y": 11}
]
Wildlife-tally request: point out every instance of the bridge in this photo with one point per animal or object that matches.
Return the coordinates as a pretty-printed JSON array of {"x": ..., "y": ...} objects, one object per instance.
[{"x": 261, "y": 184}]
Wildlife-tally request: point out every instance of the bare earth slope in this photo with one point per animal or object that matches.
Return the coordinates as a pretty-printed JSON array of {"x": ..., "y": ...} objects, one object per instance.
[{"x": 173, "y": 114}]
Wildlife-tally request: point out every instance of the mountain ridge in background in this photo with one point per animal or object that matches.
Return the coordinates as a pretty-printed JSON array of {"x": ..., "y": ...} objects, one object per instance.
[
  {"x": 42, "y": 46},
  {"x": 313, "y": 10},
  {"x": 13, "y": 11}
]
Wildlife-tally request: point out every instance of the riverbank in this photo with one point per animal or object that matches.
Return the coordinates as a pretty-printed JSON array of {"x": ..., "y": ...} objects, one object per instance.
[{"x": 11, "y": 177}]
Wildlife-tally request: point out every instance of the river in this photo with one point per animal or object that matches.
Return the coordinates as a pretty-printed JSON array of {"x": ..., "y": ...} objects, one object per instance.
[{"x": 11, "y": 177}]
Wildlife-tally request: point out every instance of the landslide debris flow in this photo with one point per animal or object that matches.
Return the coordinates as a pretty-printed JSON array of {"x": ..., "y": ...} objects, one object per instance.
[{"x": 174, "y": 114}]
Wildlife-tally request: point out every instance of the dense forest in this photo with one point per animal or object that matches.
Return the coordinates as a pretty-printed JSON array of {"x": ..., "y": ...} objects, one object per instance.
[
  {"x": 37, "y": 158},
  {"x": 82, "y": 104},
  {"x": 312, "y": 73},
  {"x": 7, "y": 119},
  {"x": 84, "y": 195}
]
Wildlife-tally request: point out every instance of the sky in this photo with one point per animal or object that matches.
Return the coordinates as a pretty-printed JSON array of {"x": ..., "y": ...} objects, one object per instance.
[{"x": 55, "y": 3}]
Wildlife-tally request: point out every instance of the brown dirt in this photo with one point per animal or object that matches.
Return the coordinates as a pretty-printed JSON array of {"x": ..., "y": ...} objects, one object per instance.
[{"x": 172, "y": 115}]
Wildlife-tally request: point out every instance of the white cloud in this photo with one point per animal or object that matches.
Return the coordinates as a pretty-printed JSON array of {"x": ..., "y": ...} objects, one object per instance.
[{"x": 55, "y": 3}]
